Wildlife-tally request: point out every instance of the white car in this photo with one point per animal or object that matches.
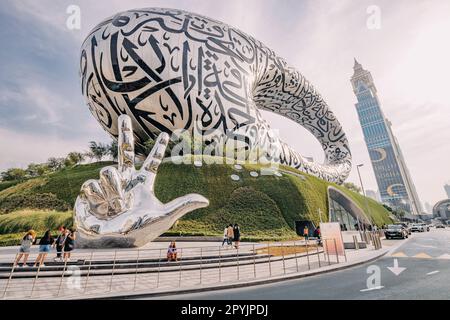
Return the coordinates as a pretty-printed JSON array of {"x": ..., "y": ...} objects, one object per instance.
[{"x": 416, "y": 227}]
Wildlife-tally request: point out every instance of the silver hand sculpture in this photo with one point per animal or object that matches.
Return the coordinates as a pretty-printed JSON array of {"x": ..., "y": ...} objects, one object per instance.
[{"x": 121, "y": 209}]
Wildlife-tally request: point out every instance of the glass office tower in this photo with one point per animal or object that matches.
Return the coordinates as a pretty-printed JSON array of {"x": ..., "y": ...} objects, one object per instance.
[{"x": 394, "y": 181}]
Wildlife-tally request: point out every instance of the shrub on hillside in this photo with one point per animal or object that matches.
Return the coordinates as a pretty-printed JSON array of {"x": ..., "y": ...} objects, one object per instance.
[
  {"x": 22, "y": 221},
  {"x": 32, "y": 200}
]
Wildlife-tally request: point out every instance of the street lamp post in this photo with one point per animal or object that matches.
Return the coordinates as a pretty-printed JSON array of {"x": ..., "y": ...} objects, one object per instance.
[{"x": 364, "y": 193}]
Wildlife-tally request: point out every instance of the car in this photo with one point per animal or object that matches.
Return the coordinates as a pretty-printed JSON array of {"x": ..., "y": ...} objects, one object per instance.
[
  {"x": 406, "y": 226},
  {"x": 396, "y": 231},
  {"x": 425, "y": 226},
  {"x": 440, "y": 226},
  {"x": 417, "y": 227}
]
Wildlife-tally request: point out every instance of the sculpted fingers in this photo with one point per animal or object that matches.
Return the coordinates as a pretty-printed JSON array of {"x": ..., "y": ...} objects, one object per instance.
[
  {"x": 93, "y": 194},
  {"x": 125, "y": 144},
  {"x": 155, "y": 156},
  {"x": 111, "y": 183}
]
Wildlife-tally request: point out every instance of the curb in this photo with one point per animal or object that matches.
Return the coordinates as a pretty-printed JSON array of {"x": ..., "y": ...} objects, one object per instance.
[{"x": 238, "y": 285}]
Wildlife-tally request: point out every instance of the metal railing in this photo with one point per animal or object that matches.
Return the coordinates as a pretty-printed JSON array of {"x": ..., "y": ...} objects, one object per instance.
[{"x": 103, "y": 273}]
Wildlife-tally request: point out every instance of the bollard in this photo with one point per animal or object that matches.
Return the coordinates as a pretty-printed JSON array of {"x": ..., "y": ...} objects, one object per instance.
[
  {"x": 136, "y": 271},
  {"x": 180, "y": 263},
  {"x": 318, "y": 255},
  {"x": 220, "y": 263},
  {"x": 89, "y": 272},
  {"x": 254, "y": 261},
  {"x": 201, "y": 264},
  {"x": 10, "y": 276},
  {"x": 335, "y": 248},
  {"x": 282, "y": 253},
  {"x": 355, "y": 241},
  {"x": 237, "y": 255},
  {"x": 112, "y": 272},
  {"x": 295, "y": 253},
  {"x": 307, "y": 255},
  {"x": 159, "y": 268}
]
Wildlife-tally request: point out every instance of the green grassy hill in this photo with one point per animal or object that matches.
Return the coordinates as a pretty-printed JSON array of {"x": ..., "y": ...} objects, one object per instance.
[{"x": 265, "y": 207}]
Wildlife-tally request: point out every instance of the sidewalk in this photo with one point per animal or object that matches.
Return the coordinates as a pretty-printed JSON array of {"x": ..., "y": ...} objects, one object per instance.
[{"x": 158, "y": 280}]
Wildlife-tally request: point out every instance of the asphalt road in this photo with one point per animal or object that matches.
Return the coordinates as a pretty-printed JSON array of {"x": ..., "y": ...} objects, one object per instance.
[{"x": 426, "y": 257}]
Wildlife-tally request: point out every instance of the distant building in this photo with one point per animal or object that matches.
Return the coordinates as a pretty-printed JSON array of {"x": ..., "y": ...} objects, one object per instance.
[
  {"x": 441, "y": 210},
  {"x": 394, "y": 181},
  {"x": 374, "y": 195},
  {"x": 447, "y": 190},
  {"x": 428, "y": 208}
]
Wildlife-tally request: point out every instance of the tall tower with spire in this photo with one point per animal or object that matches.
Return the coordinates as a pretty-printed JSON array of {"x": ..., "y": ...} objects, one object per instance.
[{"x": 394, "y": 181}]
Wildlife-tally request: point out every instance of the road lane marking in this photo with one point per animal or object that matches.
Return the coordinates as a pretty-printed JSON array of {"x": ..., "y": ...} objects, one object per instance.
[
  {"x": 444, "y": 256},
  {"x": 425, "y": 246},
  {"x": 396, "y": 269},
  {"x": 422, "y": 255},
  {"x": 432, "y": 272},
  {"x": 370, "y": 289},
  {"x": 399, "y": 255}
]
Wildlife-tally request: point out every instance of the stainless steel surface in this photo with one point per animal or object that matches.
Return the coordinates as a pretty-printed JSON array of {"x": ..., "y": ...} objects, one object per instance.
[
  {"x": 120, "y": 209},
  {"x": 172, "y": 70}
]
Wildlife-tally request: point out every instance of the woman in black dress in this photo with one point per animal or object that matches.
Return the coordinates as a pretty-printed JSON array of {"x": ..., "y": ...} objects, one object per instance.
[
  {"x": 69, "y": 243},
  {"x": 237, "y": 235}
]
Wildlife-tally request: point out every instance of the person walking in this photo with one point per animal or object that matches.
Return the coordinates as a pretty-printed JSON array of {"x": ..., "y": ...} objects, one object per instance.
[
  {"x": 44, "y": 248},
  {"x": 317, "y": 235},
  {"x": 306, "y": 232},
  {"x": 25, "y": 247},
  {"x": 69, "y": 243},
  {"x": 225, "y": 236},
  {"x": 230, "y": 234},
  {"x": 236, "y": 235},
  {"x": 59, "y": 243}
]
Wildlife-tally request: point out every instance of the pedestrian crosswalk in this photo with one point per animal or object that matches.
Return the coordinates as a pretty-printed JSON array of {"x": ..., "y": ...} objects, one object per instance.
[{"x": 421, "y": 255}]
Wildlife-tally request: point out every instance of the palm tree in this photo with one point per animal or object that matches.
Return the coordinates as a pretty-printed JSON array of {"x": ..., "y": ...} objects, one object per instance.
[
  {"x": 113, "y": 150},
  {"x": 98, "y": 150}
]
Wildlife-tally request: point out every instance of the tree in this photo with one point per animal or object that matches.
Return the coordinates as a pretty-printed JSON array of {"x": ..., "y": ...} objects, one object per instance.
[
  {"x": 36, "y": 170},
  {"x": 74, "y": 158},
  {"x": 13, "y": 174},
  {"x": 89, "y": 155},
  {"x": 55, "y": 164},
  {"x": 148, "y": 146},
  {"x": 98, "y": 150},
  {"x": 113, "y": 151},
  {"x": 351, "y": 186},
  {"x": 400, "y": 214}
]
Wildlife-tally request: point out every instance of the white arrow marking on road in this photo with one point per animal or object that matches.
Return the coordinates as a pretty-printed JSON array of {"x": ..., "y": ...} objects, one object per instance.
[
  {"x": 425, "y": 246},
  {"x": 370, "y": 289},
  {"x": 432, "y": 272},
  {"x": 396, "y": 269}
]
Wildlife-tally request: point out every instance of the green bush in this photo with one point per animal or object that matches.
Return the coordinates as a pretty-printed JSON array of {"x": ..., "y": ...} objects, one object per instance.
[
  {"x": 6, "y": 184},
  {"x": 33, "y": 200},
  {"x": 22, "y": 221}
]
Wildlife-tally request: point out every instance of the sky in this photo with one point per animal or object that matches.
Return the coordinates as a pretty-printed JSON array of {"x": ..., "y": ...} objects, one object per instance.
[{"x": 43, "y": 114}]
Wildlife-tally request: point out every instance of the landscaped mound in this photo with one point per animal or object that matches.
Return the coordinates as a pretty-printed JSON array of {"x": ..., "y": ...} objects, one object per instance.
[{"x": 266, "y": 207}]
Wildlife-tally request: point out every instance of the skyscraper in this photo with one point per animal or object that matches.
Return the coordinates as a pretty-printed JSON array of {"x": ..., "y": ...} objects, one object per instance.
[
  {"x": 447, "y": 190},
  {"x": 394, "y": 181}
]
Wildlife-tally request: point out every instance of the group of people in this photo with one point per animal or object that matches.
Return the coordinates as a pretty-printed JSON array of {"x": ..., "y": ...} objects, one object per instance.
[
  {"x": 64, "y": 244},
  {"x": 232, "y": 234},
  {"x": 316, "y": 233}
]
